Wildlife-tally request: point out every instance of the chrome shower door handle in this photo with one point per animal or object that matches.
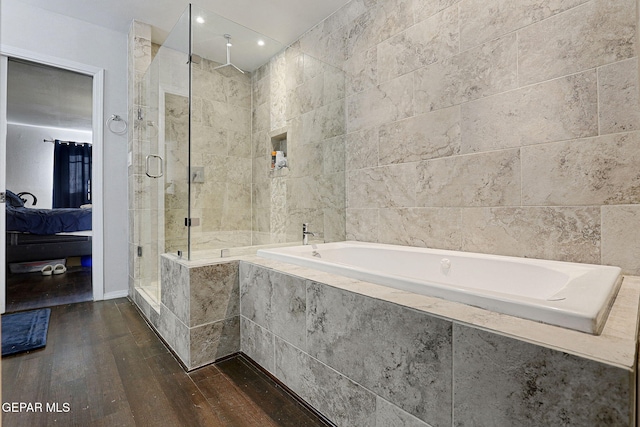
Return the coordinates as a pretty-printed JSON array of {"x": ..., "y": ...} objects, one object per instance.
[{"x": 148, "y": 162}]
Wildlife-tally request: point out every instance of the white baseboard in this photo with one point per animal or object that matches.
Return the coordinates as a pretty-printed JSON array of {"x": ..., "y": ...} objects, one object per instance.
[{"x": 116, "y": 294}]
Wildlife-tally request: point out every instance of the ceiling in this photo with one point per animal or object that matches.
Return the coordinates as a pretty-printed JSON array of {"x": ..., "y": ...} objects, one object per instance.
[
  {"x": 40, "y": 95},
  {"x": 281, "y": 20},
  {"x": 34, "y": 99}
]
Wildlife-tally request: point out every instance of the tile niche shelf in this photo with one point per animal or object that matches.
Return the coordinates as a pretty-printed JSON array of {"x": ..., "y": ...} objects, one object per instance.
[{"x": 279, "y": 143}]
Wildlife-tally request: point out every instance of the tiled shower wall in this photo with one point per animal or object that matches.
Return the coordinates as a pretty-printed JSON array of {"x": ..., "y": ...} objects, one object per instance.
[
  {"x": 242, "y": 201},
  {"x": 491, "y": 126},
  {"x": 221, "y": 146},
  {"x": 299, "y": 99}
]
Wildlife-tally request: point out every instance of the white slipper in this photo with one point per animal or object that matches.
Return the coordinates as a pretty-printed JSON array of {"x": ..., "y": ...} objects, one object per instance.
[
  {"x": 47, "y": 270},
  {"x": 59, "y": 269}
]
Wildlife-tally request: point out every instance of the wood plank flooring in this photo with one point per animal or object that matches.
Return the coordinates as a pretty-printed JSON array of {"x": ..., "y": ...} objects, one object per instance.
[
  {"x": 28, "y": 291},
  {"x": 108, "y": 366}
]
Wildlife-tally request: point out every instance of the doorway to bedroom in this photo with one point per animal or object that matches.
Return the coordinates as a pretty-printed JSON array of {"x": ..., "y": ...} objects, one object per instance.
[{"x": 48, "y": 182}]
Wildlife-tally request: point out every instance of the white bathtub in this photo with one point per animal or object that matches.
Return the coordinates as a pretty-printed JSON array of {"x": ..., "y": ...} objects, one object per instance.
[{"x": 570, "y": 295}]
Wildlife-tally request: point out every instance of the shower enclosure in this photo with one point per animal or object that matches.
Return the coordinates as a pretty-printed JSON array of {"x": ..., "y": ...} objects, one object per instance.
[{"x": 214, "y": 105}]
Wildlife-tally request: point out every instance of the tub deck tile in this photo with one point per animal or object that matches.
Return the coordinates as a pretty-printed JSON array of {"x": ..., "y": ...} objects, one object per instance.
[
  {"x": 502, "y": 381},
  {"x": 368, "y": 341},
  {"x": 616, "y": 345}
]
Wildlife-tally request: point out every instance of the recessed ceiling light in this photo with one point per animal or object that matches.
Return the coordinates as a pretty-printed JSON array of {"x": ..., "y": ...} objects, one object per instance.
[
  {"x": 260, "y": 42},
  {"x": 200, "y": 20}
]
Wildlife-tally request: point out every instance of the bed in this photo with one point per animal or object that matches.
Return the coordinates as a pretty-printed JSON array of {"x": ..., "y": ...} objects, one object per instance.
[{"x": 40, "y": 234}]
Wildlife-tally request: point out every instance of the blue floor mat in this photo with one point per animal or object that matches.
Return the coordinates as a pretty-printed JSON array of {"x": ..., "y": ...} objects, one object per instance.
[{"x": 24, "y": 331}]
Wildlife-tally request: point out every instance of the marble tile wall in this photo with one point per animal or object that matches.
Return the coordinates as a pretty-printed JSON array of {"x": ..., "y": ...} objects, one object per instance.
[
  {"x": 503, "y": 381},
  {"x": 221, "y": 144},
  {"x": 175, "y": 189},
  {"x": 298, "y": 95},
  {"x": 234, "y": 117},
  {"x": 199, "y": 312},
  {"x": 354, "y": 359},
  {"x": 519, "y": 120}
]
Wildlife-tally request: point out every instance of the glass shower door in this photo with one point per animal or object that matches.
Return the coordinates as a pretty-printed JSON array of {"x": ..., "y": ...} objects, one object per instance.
[{"x": 163, "y": 127}]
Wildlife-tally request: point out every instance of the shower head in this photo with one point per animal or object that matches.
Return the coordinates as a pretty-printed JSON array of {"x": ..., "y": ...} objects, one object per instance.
[{"x": 228, "y": 63}]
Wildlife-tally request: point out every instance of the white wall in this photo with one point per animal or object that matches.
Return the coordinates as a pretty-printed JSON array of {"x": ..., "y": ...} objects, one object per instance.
[
  {"x": 30, "y": 159},
  {"x": 33, "y": 29}
]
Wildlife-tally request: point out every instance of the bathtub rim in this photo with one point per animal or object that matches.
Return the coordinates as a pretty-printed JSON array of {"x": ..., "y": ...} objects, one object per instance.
[
  {"x": 615, "y": 346},
  {"x": 590, "y": 320}
]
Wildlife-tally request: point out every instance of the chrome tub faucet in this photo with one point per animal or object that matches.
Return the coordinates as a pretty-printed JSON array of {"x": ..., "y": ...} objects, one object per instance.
[{"x": 306, "y": 233}]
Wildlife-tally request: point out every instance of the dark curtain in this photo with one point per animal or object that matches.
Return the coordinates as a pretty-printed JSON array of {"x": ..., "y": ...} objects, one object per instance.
[{"x": 71, "y": 175}]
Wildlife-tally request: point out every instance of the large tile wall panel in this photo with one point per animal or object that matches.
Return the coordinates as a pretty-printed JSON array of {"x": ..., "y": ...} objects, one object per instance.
[
  {"x": 175, "y": 288},
  {"x": 556, "y": 233},
  {"x": 485, "y": 179},
  {"x": 335, "y": 223},
  {"x": 175, "y": 333},
  {"x": 422, "y": 227},
  {"x": 333, "y": 156},
  {"x": 213, "y": 341},
  {"x": 379, "y": 21},
  {"x": 429, "y": 41},
  {"x": 390, "y": 101},
  {"x": 257, "y": 343},
  {"x": 386, "y": 186},
  {"x": 473, "y": 74},
  {"x": 368, "y": 341},
  {"x": 214, "y": 293},
  {"x": 618, "y": 94},
  {"x": 501, "y": 381},
  {"x": 362, "y": 225},
  {"x": 421, "y": 137},
  {"x": 317, "y": 125},
  {"x": 620, "y": 240},
  {"x": 361, "y": 71},
  {"x": 483, "y": 20},
  {"x": 595, "y": 171},
  {"x": 340, "y": 399},
  {"x": 565, "y": 108},
  {"x": 596, "y": 33},
  {"x": 274, "y": 301},
  {"x": 361, "y": 149}
]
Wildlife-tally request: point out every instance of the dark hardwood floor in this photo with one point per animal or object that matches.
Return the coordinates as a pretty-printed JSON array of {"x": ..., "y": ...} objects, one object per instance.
[
  {"x": 106, "y": 366},
  {"x": 27, "y": 291}
]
